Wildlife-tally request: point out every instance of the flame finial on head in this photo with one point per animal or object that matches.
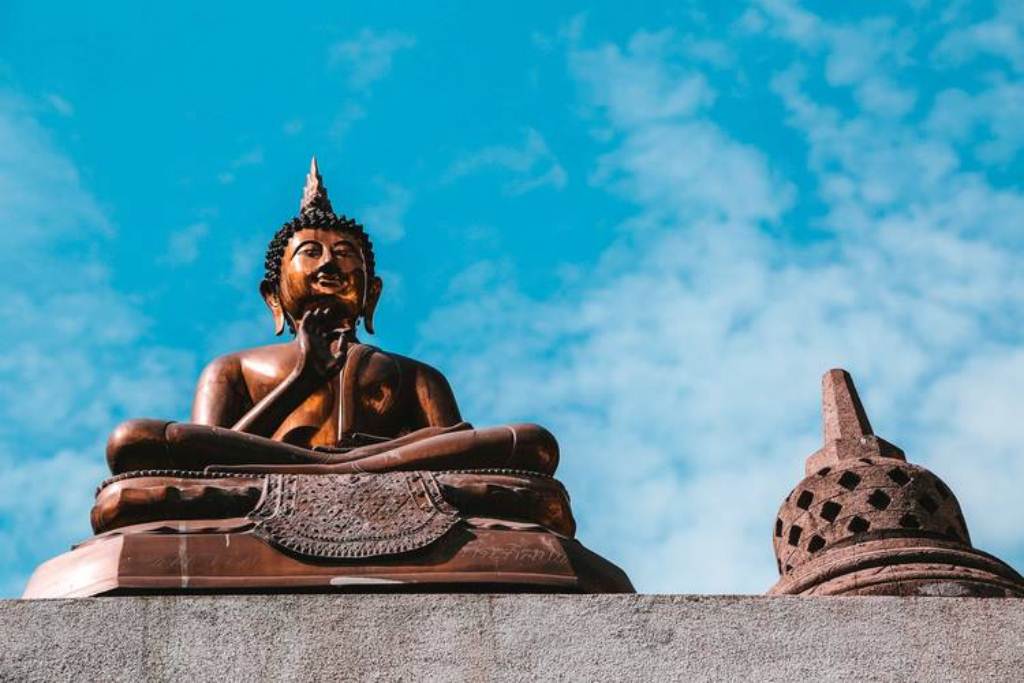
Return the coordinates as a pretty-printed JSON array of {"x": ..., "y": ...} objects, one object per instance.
[{"x": 314, "y": 195}]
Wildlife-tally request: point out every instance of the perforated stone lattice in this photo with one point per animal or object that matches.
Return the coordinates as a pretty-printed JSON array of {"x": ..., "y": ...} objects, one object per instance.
[{"x": 859, "y": 497}]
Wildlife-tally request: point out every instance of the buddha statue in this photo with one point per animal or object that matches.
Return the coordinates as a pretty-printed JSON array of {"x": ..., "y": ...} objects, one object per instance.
[
  {"x": 323, "y": 402},
  {"x": 326, "y": 463}
]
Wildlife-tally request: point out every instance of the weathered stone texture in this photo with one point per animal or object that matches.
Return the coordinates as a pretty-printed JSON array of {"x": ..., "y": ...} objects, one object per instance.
[{"x": 511, "y": 637}]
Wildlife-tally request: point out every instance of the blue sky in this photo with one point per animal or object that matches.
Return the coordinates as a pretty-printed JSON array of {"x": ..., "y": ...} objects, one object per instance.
[{"x": 649, "y": 226}]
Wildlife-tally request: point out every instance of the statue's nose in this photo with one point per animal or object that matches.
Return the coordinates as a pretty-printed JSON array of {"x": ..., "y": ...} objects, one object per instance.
[
  {"x": 323, "y": 261},
  {"x": 328, "y": 267}
]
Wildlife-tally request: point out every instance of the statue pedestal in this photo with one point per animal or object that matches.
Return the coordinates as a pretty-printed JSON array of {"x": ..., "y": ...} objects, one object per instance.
[
  {"x": 502, "y": 637},
  {"x": 465, "y": 560}
]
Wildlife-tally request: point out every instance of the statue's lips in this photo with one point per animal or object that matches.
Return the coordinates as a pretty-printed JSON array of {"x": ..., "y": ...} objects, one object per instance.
[{"x": 329, "y": 282}]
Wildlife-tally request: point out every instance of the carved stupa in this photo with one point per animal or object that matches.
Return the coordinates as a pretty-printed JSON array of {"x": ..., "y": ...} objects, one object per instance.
[{"x": 864, "y": 521}]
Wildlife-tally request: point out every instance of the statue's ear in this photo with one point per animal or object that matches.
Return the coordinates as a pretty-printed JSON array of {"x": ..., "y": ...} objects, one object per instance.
[
  {"x": 273, "y": 300},
  {"x": 372, "y": 297}
]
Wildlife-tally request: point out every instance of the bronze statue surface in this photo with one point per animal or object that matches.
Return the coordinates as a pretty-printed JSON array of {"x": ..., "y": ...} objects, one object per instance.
[{"x": 326, "y": 463}]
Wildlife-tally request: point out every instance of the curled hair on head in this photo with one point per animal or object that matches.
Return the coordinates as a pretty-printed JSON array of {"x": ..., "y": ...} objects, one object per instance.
[{"x": 312, "y": 219}]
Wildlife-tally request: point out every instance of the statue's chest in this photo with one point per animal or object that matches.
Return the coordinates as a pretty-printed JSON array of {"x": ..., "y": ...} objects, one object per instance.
[{"x": 365, "y": 398}]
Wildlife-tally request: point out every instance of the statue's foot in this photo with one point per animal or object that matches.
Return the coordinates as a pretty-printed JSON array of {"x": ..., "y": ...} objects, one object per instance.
[{"x": 143, "y": 444}]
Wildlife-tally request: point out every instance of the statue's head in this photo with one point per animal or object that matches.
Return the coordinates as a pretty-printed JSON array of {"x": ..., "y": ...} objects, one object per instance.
[{"x": 320, "y": 259}]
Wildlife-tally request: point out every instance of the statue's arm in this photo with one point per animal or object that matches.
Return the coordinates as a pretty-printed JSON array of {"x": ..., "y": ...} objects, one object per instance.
[
  {"x": 221, "y": 396},
  {"x": 265, "y": 417},
  {"x": 223, "y": 400},
  {"x": 437, "y": 404},
  {"x": 322, "y": 351}
]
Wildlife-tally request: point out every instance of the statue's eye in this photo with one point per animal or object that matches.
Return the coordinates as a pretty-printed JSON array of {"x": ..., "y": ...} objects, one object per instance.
[{"x": 310, "y": 250}]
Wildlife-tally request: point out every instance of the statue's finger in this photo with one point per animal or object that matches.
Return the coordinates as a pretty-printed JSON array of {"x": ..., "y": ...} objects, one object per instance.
[{"x": 337, "y": 361}]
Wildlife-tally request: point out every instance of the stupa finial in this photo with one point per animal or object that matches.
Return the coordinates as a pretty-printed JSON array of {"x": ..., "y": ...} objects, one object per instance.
[
  {"x": 846, "y": 429},
  {"x": 314, "y": 196},
  {"x": 842, "y": 413}
]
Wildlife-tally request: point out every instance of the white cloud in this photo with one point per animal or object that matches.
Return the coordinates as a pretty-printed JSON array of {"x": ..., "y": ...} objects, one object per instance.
[
  {"x": 253, "y": 157},
  {"x": 365, "y": 59},
  {"x": 864, "y": 55},
  {"x": 246, "y": 271},
  {"x": 640, "y": 85},
  {"x": 533, "y": 165},
  {"x": 350, "y": 114},
  {"x": 70, "y": 368},
  {"x": 988, "y": 120},
  {"x": 1000, "y": 36},
  {"x": 386, "y": 220},
  {"x": 33, "y": 174},
  {"x": 681, "y": 374},
  {"x": 368, "y": 57},
  {"x": 183, "y": 244},
  {"x": 60, "y": 105}
]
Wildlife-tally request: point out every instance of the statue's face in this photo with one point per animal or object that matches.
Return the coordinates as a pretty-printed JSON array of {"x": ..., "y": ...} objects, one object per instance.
[{"x": 323, "y": 268}]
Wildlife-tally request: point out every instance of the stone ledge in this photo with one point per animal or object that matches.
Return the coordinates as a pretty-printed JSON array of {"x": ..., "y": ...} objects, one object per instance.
[{"x": 486, "y": 637}]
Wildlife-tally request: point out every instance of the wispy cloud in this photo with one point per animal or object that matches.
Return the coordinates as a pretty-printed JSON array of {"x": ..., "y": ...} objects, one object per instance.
[
  {"x": 681, "y": 375},
  {"x": 253, "y": 157},
  {"x": 350, "y": 114},
  {"x": 865, "y": 56},
  {"x": 60, "y": 105},
  {"x": 70, "y": 368},
  {"x": 183, "y": 245},
  {"x": 1000, "y": 36},
  {"x": 987, "y": 121},
  {"x": 386, "y": 219},
  {"x": 532, "y": 165},
  {"x": 368, "y": 57}
]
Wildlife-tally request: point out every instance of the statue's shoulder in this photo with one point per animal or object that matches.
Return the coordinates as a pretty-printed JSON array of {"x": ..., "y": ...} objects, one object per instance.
[
  {"x": 382, "y": 374},
  {"x": 378, "y": 359},
  {"x": 269, "y": 362}
]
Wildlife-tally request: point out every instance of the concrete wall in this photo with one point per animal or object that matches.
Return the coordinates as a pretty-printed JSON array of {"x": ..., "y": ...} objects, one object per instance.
[{"x": 483, "y": 637}]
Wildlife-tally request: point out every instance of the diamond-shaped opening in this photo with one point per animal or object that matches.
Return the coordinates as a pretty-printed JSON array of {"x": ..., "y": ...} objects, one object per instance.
[
  {"x": 858, "y": 525},
  {"x": 849, "y": 481},
  {"x": 942, "y": 489},
  {"x": 879, "y": 499},
  {"x": 928, "y": 503},
  {"x": 805, "y": 499},
  {"x": 909, "y": 521},
  {"x": 815, "y": 544},
  {"x": 778, "y": 527},
  {"x": 788, "y": 568},
  {"x": 794, "y": 535},
  {"x": 830, "y": 510},
  {"x": 823, "y": 471},
  {"x": 898, "y": 476}
]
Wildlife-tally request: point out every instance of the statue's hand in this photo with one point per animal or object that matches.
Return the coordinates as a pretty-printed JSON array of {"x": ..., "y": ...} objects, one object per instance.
[{"x": 316, "y": 335}]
